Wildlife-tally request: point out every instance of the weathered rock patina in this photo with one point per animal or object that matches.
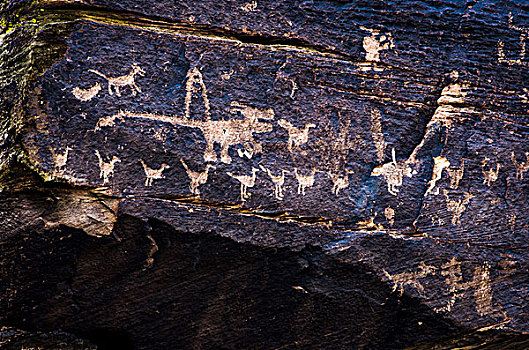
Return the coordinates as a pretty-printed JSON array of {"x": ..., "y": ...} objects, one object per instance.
[{"x": 266, "y": 174}]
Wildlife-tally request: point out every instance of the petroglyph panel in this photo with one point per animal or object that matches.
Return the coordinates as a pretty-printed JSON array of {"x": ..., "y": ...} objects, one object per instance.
[{"x": 384, "y": 141}]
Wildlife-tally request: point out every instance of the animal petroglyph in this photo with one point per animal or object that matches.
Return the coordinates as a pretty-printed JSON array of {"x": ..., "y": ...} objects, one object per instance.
[
  {"x": 524, "y": 34},
  {"x": 339, "y": 182},
  {"x": 480, "y": 284},
  {"x": 108, "y": 121},
  {"x": 250, "y": 7},
  {"x": 490, "y": 174},
  {"x": 278, "y": 181},
  {"x": 375, "y": 43},
  {"x": 60, "y": 159},
  {"x": 194, "y": 84},
  {"x": 296, "y": 137},
  {"x": 411, "y": 278},
  {"x": 457, "y": 207},
  {"x": 389, "y": 213},
  {"x": 85, "y": 95},
  {"x": 123, "y": 80},
  {"x": 224, "y": 132},
  {"x": 378, "y": 136},
  {"x": 246, "y": 181},
  {"x": 453, "y": 277},
  {"x": 106, "y": 169},
  {"x": 304, "y": 181},
  {"x": 153, "y": 174},
  {"x": 440, "y": 163},
  {"x": 393, "y": 173},
  {"x": 522, "y": 167},
  {"x": 456, "y": 175},
  {"x": 197, "y": 178}
]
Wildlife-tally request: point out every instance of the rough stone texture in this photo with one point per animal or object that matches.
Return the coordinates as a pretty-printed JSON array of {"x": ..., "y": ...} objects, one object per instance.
[{"x": 266, "y": 174}]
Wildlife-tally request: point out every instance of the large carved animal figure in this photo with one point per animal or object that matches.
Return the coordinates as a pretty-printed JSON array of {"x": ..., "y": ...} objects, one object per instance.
[{"x": 226, "y": 133}]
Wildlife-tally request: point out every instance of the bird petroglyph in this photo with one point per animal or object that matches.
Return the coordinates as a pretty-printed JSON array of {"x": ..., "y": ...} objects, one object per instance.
[
  {"x": 278, "y": 181},
  {"x": 153, "y": 174},
  {"x": 393, "y": 173},
  {"x": 106, "y": 169},
  {"x": 246, "y": 181},
  {"x": 197, "y": 178},
  {"x": 296, "y": 137}
]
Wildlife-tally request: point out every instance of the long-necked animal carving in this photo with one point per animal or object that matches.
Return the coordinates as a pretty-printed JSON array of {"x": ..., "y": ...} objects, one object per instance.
[
  {"x": 224, "y": 132},
  {"x": 296, "y": 137},
  {"x": 60, "y": 159},
  {"x": 278, "y": 181},
  {"x": 521, "y": 167},
  {"x": 339, "y": 182},
  {"x": 153, "y": 174},
  {"x": 246, "y": 181},
  {"x": 123, "y": 80},
  {"x": 304, "y": 181},
  {"x": 106, "y": 169},
  {"x": 197, "y": 178},
  {"x": 490, "y": 175},
  {"x": 393, "y": 173}
]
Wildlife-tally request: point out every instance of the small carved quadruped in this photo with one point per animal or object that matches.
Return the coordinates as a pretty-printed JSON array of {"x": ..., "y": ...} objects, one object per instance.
[{"x": 122, "y": 81}]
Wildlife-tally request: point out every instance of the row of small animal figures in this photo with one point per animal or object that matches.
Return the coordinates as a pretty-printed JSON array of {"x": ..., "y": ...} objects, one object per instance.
[
  {"x": 199, "y": 178},
  {"x": 304, "y": 181}
]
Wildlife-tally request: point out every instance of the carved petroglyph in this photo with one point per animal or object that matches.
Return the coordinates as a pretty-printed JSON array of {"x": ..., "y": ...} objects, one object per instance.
[
  {"x": 304, "y": 181},
  {"x": 278, "y": 181},
  {"x": 375, "y": 43},
  {"x": 524, "y": 34},
  {"x": 108, "y": 121},
  {"x": 85, "y": 95},
  {"x": 480, "y": 283},
  {"x": 339, "y": 182},
  {"x": 246, "y": 181},
  {"x": 453, "y": 276},
  {"x": 60, "y": 159},
  {"x": 457, "y": 207},
  {"x": 456, "y": 175},
  {"x": 195, "y": 84},
  {"x": 411, "y": 278},
  {"x": 440, "y": 163},
  {"x": 378, "y": 136},
  {"x": 296, "y": 137},
  {"x": 122, "y": 81},
  {"x": 522, "y": 167},
  {"x": 482, "y": 290},
  {"x": 389, "y": 213},
  {"x": 224, "y": 132},
  {"x": 250, "y": 7},
  {"x": 393, "y": 173},
  {"x": 490, "y": 174},
  {"x": 153, "y": 174},
  {"x": 106, "y": 169},
  {"x": 251, "y": 113},
  {"x": 197, "y": 178}
]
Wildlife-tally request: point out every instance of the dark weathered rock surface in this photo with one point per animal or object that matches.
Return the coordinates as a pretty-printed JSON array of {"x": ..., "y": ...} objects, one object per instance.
[{"x": 266, "y": 174}]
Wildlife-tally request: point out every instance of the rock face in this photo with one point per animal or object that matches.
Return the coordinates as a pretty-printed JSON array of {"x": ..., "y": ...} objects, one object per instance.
[{"x": 265, "y": 174}]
